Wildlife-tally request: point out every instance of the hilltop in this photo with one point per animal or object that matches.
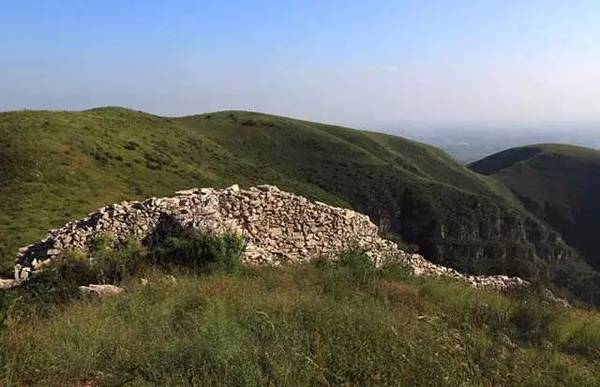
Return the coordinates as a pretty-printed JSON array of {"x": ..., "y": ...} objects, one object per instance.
[
  {"x": 58, "y": 166},
  {"x": 558, "y": 183}
]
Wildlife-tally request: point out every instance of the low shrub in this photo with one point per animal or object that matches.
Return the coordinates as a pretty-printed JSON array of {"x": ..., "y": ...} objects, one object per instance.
[
  {"x": 322, "y": 262},
  {"x": 532, "y": 320},
  {"x": 114, "y": 265},
  {"x": 200, "y": 252},
  {"x": 109, "y": 264},
  {"x": 577, "y": 279},
  {"x": 486, "y": 315},
  {"x": 584, "y": 341},
  {"x": 357, "y": 264},
  {"x": 59, "y": 282},
  {"x": 396, "y": 271},
  {"x": 578, "y": 333},
  {"x": 131, "y": 145}
]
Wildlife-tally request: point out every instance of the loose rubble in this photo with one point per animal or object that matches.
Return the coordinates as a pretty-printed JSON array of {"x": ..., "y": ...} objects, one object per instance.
[{"x": 279, "y": 227}]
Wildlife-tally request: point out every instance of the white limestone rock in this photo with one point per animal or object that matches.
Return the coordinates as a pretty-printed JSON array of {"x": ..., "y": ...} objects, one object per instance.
[{"x": 101, "y": 290}]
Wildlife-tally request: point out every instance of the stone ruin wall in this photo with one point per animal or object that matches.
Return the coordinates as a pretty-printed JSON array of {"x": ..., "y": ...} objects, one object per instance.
[{"x": 278, "y": 227}]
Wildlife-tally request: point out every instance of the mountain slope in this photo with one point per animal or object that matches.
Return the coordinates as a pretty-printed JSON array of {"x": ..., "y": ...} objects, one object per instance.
[
  {"x": 56, "y": 166},
  {"x": 560, "y": 184}
]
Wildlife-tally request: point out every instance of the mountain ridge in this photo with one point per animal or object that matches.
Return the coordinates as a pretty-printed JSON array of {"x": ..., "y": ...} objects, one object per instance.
[{"x": 559, "y": 183}]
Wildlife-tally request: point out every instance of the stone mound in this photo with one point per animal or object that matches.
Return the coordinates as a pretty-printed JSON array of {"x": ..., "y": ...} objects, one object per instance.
[{"x": 279, "y": 227}]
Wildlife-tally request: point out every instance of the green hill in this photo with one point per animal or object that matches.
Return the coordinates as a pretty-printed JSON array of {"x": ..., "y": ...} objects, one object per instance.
[
  {"x": 558, "y": 183},
  {"x": 57, "y": 166}
]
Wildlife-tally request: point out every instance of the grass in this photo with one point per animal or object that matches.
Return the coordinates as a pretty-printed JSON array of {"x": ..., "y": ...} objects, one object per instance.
[
  {"x": 314, "y": 324},
  {"x": 58, "y": 166}
]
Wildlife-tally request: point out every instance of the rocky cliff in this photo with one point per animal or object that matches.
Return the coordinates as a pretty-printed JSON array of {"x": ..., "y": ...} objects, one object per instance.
[{"x": 468, "y": 232}]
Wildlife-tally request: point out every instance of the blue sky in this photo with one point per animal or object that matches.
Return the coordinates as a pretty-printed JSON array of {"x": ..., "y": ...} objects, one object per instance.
[{"x": 350, "y": 62}]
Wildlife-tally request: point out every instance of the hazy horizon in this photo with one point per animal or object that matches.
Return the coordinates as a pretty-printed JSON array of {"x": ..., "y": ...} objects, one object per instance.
[{"x": 377, "y": 65}]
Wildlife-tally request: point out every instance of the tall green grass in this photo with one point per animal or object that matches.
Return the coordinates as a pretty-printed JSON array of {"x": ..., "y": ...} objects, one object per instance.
[{"x": 314, "y": 324}]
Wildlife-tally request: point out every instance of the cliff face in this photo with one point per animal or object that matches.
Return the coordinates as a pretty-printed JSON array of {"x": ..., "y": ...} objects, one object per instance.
[
  {"x": 557, "y": 183},
  {"x": 506, "y": 243}
]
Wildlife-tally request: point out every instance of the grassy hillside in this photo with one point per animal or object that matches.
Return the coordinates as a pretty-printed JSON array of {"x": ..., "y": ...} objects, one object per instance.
[
  {"x": 560, "y": 184},
  {"x": 314, "y": 324},
  {"x": 56, "y": 166}
]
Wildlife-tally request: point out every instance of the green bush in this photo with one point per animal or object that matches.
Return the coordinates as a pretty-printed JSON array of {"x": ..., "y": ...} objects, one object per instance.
[
  {"x": 396, "y": 271},
  {"x": 114, "y": 265},
  {"x": 131, "y": 145},
  {"x": 486, "y": 315},
  {"x": 109, "y": 264},
  {"x": 59, "y": 282},
  {"x": 532, "y": 320},
  {"x": 322, "y": 262},
  {"x": 357, "y": 264},
  {"x": 578, "y": 279},
  {"x": 585, "y": 341},
  {"x": 201, "y": 252},
  {"x": 351, "y": 270},
  {"x": 7, "y": 301}
]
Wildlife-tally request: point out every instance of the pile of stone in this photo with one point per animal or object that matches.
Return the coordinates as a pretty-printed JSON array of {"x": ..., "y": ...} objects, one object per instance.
[{"x": 279, "y": 227}]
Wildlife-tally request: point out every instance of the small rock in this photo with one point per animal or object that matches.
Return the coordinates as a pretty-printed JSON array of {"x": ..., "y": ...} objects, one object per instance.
[
  {"x": 191, "y": 191},
  {"x": 8, "y": 283},
  {"x": 267, "y": 188},
  {"x": 101, "y": 290}
]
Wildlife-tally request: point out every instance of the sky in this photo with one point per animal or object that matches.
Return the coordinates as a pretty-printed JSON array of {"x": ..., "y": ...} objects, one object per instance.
[{"x": 357, "y": 63}]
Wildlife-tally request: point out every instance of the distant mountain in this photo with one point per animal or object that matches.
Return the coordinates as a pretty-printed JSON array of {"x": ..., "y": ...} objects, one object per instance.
[
  {"x": 57, "y": 166},
  {"x": 471, "y": 143},
  {"x": 558, "y": 183}
]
